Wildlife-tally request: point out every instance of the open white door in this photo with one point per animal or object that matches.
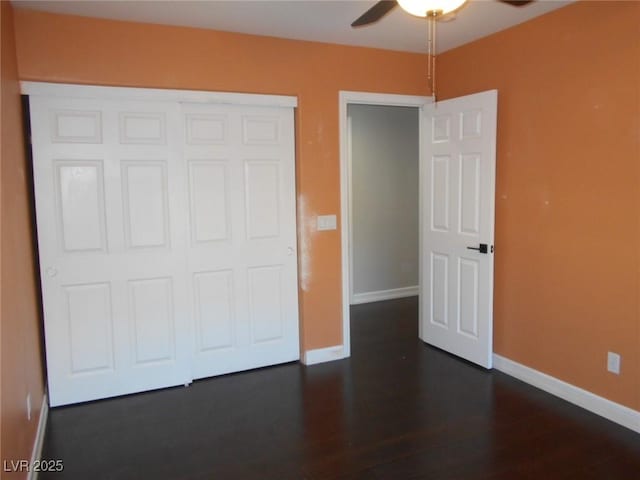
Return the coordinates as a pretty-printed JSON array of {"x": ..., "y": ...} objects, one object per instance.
[{"x": 457, "y": 231}]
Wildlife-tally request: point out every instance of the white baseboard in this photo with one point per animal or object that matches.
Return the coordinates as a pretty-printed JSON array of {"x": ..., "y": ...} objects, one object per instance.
[
  {"x": 36, "y": 453},
  {"x": 321, "y": 355},
  {"x": 615, "y": 412},
  {"x": 367, "y": 297}
]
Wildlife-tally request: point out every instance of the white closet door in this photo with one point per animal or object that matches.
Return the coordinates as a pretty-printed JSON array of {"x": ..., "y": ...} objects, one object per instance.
[
  {"x": 110, "y": 199},
  {"x": 242, "y": 263}
]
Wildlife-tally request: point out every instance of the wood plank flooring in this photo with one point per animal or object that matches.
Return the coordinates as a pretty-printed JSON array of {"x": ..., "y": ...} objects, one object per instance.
[{"x": 397, "y": 409}]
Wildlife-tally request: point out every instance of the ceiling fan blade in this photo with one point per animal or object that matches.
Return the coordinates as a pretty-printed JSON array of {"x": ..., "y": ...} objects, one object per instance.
[
  {"x": 375, "y": 13},
  {"x": 516, "y": 3}
]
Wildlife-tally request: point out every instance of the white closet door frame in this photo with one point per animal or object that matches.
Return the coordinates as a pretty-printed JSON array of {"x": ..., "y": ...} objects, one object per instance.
[
  {"x": 132, "y": 93},
  {"x": 67, "y": 92}
]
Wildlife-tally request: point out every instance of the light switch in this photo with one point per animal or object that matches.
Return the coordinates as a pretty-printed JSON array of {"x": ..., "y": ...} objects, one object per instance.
[{"x": 327, "y": 222}]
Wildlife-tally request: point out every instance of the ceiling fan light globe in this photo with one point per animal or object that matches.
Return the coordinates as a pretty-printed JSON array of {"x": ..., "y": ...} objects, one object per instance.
[{"x": 420, "y": 8}]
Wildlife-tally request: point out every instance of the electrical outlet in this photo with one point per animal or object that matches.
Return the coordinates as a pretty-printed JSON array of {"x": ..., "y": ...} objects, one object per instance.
[
  {"x": 28, "y": 406},
  {"x": 613, "y": 362}
]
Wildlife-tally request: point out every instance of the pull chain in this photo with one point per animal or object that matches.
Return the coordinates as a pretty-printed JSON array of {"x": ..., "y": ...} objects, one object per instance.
[
  {"x": 431, "y": 52},
  {"x": 433, "y": 57}
]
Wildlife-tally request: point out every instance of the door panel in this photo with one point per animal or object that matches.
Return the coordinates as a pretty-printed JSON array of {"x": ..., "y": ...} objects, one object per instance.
[
  {"x": 75, "y": 126},
  {"x": 143, "y": 128},
  {"x": 146, "y": 216},
  {"x": 468, "y": 297},
  {"x": 214, "y": 310},
  {"x": 469, "y": 192},
  {"x": 262, "y": 199},
  {"x": 265, "y": 303},
  {"x": 108, "y": 183},
  {"x": 209, "y": 204},
  {"x": 90, "y": 328},
  {"x": 440, "y": 168},
  {"x": 242, "y": 257},
  {"x": 457, "y": 209},
  {"x": 439, "y": 293},
  {"x": 79, "y": 205},
  {"x": 152, "y": 319}
]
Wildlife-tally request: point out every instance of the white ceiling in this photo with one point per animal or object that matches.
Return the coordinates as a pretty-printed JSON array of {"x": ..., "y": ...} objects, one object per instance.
[{"x": 317, "y": 20}]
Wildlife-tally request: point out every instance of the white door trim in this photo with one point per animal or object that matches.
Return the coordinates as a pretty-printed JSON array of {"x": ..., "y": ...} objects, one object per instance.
[
  {"x": 363, "y": 98},
  {"x": 36, "y": 451},
  {"x": 156, "y": 94}
]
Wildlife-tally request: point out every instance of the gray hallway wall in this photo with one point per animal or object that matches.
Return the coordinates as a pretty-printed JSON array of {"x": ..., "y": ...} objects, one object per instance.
[{"x": 384, "y": 196}]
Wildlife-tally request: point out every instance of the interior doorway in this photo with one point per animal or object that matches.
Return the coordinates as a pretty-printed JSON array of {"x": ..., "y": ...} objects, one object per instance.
[
  {"x": 457, "y": 165},
  {"x": 384, "y": 151},
  {"x": 380, "y": 203}
]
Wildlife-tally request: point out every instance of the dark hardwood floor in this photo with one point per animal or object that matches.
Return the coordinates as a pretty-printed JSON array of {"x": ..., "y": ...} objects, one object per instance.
[{"x": 396, "y": 409}]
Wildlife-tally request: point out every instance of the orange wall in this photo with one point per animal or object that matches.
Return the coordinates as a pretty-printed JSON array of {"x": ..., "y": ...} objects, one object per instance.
[
  {"x": 58, "y": 48},
  {"x": 567, "y": 208},
  {"x": 567, "y": 196},
  {"x": 19, "y": 319}
]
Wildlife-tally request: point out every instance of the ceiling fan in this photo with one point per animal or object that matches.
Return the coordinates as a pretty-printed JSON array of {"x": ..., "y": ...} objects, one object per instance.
[
  {"x": 419, "y": 8},
  {"x": 431, "y": 9}
]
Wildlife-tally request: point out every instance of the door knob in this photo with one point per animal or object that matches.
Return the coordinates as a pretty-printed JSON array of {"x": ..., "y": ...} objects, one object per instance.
[{"x": 483, "y": 248}]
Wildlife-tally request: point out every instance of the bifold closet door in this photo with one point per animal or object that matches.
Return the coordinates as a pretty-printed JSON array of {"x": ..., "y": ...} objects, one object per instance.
[
  {"x": 242, "y": 263},
  {"x": 111, "y": 217}
]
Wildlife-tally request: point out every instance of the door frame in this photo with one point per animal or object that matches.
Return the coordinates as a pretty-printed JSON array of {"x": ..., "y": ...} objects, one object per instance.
[{"x": 345, "y": 99}]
